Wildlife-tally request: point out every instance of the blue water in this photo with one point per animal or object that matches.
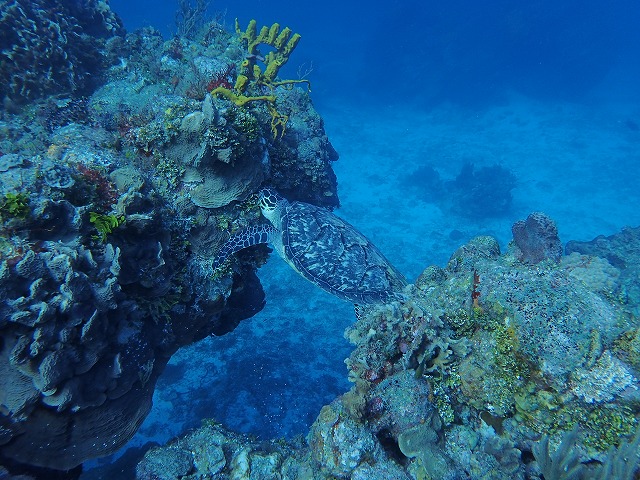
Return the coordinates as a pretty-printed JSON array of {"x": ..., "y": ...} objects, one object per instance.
[
  {"x": 424, "y": 52},
  {"x": 546, "y": 90}
]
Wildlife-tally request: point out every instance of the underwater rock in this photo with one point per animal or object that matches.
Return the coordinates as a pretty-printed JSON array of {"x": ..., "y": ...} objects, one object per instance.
[
  {"x": 607, "y": 378},
  {"x": 466, "y": 256},
  {"x": 115, "y": 206},
  {"x": 380, "y": 471},
  {"x": 59, "y": 112},
  {"x": 110, "y": 258},
  {"x": 621, "y": 249},
  {"x": 127, "y": 179},
  {"x": 215, "y": 188},
  {"x": 212, "y": 448},
  {"x": 537, "y": 239},
  {"x": 614, "y": 262},
  {"x": 58, "y": 176},
  {"x": 596, "y": 272},
  {"x": 165, "y": 464},
  {"x": 10, "y": 160},
  {"x": 394, "y": 393},
  {"x": 421, "y": 442},
  {"x": 301, "y": 161},
  {"x": 338, "y": 442},
  {"x": 16, "y": 174}
]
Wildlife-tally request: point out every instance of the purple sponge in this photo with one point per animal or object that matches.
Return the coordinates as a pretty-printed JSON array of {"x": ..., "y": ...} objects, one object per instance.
[{"x": 537, "y": 239}]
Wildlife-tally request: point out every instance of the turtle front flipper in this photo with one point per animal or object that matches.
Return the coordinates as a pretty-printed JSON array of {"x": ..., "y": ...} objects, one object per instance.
[{"x": 251, "y": 236}]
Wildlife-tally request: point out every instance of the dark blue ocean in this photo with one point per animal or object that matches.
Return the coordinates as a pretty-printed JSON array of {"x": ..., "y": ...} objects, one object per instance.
[
  {"x": 546, "y": 92},
  {"x": 423, "y": 53}
]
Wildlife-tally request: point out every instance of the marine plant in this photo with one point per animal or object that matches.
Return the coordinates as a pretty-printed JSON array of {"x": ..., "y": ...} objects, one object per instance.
[
  {"x": 283, "y": 42},
  {"x": 15, "y": 205},
  {"x": 563, "y": 463},
  {"x": 99, "y": 186},
  {"x": 105, "y": 224},
  {"x": 190, "y": 17}
]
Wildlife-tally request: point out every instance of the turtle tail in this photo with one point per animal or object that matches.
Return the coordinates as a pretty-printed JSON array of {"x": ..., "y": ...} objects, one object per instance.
[{"x": 253, "y": 235}]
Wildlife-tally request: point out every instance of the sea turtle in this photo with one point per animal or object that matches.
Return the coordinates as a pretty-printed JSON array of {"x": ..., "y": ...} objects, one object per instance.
[{"x": 322, "y": 248}]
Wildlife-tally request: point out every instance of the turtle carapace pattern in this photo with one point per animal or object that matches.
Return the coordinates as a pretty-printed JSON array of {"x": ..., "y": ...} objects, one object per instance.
[{"x": 323, "y": 248}]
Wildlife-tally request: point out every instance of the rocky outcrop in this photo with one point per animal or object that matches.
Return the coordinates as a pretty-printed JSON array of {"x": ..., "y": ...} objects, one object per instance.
[
  {"x": 536, "y": 239},
  {"x": 87, "y": 327}
]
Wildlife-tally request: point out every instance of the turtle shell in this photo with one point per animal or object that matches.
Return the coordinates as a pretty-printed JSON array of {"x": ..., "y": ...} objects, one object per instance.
[{"x": 331, "y": 253}]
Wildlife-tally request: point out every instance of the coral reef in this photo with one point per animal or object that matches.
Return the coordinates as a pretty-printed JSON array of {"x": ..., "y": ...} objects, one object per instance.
[
  {"x": 112, "y": 208},
  {"x": 619, "y": 252},
  {"x": 485, "y": 367},
  {"x": 88, "y": 325},
  {"x": 54, "y": 47},
  {"x": 211, "y": 145}
]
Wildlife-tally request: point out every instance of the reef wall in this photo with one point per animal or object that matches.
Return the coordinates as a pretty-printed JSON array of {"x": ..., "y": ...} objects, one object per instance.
[{"x": 113, "y": 205}]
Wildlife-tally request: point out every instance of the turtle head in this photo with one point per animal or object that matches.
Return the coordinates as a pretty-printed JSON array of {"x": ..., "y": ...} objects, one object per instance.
[{"x": 270, "y": 202}]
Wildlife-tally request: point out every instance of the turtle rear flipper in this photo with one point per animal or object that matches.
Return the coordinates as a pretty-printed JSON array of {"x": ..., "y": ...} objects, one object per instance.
[{"x": 254, "y": 235}]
